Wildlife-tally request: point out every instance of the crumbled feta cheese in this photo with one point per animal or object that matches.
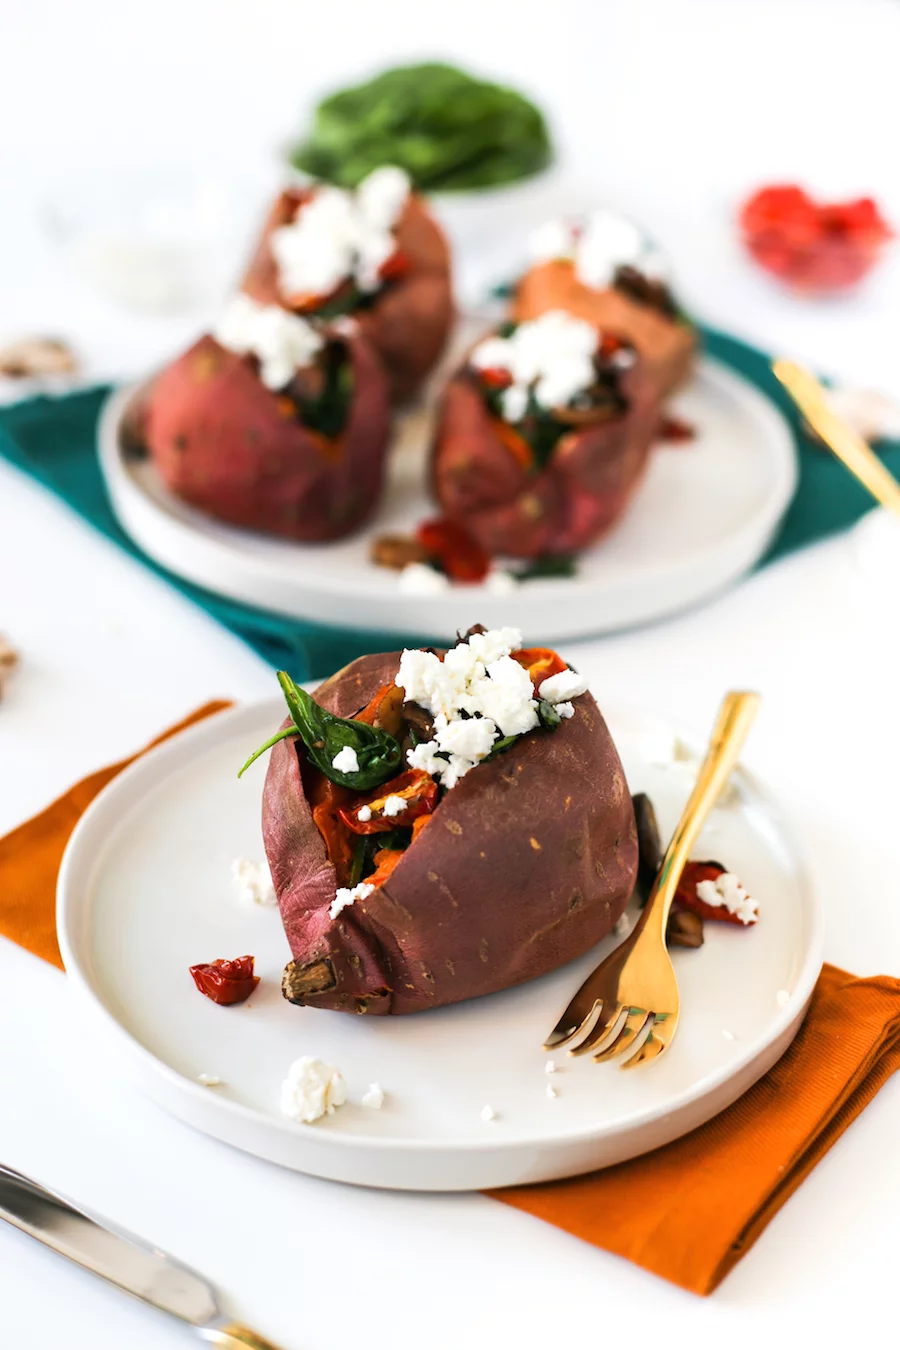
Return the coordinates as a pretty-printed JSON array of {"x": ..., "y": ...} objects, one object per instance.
[
  {"x": 623, "y": 925},
  {"x": 565, "y": 710},
  {"x": 729, "y": 1035},
  {"x": 499, "y": 582},
  {"x": 208, "y": 1080},
  {"x": 551, "y": 1091},
  {"x": 782, "y": 998},
  {"x": 561, "y": 688},
  {"x": 253, "y": 881},
  {"x": 551, "y": 241},
  {"x": 476, "y": 694},
  {"x": 551, "y": 357},
  {"x": 346, "y": 760},
  {"x": 550, "y": 1066},
  {"x": 281, "y": 342},
  {"x": 344, "y": 897},
  {"x": 726, "y": 890},
  {"x": 311, "y": 1090},
  {"x": 339, "y": 235},
  {"x": 470, "y": 737},
  {"x": 393, "y": 805},
  {"x": 374, "y": 1097},
  {"x": 598, "y": 245},
  {"x": 364, "y": 813},
  {"x": 418, "y": 578},
  {"x": 488, "y": 1113}
]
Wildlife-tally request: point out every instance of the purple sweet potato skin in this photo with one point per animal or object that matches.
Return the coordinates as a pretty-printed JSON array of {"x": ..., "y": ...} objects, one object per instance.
[
  {"x": 410, "y": 320},
  {"x": 220, "y": 442},
  {"x": 526, "y": 864},
  {"x": 579, "y": 494}
]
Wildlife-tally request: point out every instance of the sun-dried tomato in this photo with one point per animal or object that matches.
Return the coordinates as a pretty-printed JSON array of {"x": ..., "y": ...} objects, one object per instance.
[
  {"x": 540, "y": 662},
  {"x": 515, "y": 443},
  {"x": 397, "y": 265},
  {"x": 675, "y": 430},
  {"x": 327, "y": 800},
  {"x": 416, "y": 788},
  {"x": 495, "y": 377},
  {"x": 454, "y": 550},
  {"x": 686, "y": 896},
  {"x": 226, "y": 982},
  {"x": 386, "y": 859},
  {"x": 814, "y": 247}
]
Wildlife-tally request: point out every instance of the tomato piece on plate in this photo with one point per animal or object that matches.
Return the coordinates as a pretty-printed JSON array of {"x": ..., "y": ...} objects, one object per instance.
[{"x": 226, "y": 982}]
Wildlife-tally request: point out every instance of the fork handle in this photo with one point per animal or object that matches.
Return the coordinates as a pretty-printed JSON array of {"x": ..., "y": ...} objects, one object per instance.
[
  {"x": 732, "y": 725},
  {"x": 812, "y": 400}
]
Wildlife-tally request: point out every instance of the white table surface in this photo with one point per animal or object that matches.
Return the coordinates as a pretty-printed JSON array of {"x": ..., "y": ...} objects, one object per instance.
[{"x": 111, "y": 655}]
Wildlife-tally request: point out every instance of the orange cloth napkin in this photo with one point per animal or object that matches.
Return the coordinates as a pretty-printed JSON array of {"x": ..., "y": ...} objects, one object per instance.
[{"x": 687, "y": 1212}]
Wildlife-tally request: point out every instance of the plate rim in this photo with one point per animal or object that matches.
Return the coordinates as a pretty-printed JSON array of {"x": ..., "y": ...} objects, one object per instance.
[
  {"x": 749, "y": 542},
  {"x": 81, "y": 858}
]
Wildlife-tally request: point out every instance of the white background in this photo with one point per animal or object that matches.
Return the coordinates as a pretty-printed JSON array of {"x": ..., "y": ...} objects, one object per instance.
[{"x": 672, "y": 111}]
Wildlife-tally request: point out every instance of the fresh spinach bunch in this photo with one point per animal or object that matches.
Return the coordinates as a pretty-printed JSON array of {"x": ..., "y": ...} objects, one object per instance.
[
  {"x": 325, "y": 735},
  {"x": 447, "y": 129}
]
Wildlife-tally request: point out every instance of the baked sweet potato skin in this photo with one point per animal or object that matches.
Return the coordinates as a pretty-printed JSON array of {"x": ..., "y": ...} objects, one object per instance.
[
  {"x": 409, "y": 321},
  {"x": 219, "y": 441},
  {"x": 564, "y": 507},
  {"x": 526, "y": 864},
  {"x": 666, "y": 346}
]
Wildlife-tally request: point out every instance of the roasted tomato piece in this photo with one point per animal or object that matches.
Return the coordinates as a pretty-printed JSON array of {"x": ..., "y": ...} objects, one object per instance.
[
  {"x": 540, "y": 662},
  {"x": 415, "y": 788},
  {"x": 495, "y": 377},
  {"x": 386, "y": 859},
  {"x": 397, "y": 265},
  {"x": 686, "y": 896},
  {"x": 454, "y": 549},
  {"x": 226, "y": 982},
  {"x": 327, "y": 800}
]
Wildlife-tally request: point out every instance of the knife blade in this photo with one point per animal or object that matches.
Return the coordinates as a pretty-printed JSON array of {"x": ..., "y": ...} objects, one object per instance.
[{"x": 118, "y": 1256}]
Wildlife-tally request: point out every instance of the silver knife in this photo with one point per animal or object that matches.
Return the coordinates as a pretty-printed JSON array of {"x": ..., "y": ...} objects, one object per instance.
[{"x": 124, "y": 1260}]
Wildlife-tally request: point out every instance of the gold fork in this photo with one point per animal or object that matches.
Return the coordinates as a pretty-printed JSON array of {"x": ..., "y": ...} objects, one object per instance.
[
  {"x": 629, "y": 1005},
  {"x": 812, "y": 399}
]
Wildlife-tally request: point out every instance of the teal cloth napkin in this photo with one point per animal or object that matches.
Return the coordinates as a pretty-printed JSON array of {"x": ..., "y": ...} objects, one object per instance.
[{"x": 54, "y": 441}]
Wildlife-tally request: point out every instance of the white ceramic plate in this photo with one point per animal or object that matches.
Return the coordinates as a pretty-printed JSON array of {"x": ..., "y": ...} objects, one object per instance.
[
  {"x": 145, "y": 892},
  {"x": 703, "y": 516}
]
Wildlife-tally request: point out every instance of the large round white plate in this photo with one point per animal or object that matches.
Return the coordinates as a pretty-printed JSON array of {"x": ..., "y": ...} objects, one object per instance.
[
  {"x": 704, "y": 514},
  {"x": 145, "y": 892}
]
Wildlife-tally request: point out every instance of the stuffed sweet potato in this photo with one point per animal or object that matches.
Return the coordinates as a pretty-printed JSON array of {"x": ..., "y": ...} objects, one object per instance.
[
  {"x": 543, "y": 436},
  {"x": 268, "y": 434},
  {"x": 606, "y": 273},
  {"x": 422, "y": 857},
  {"x": 376, "y": 255}
]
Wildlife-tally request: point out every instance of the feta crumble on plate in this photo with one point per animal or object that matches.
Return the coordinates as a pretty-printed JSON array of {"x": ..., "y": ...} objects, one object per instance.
[
  {"x": 488, "y": 1114},
  {"x": 419, "y": 579},
  {"x": 347, "y": 896},
  {"x": 374, "y": 1097},
  {"x": 253, "y": 881},
  {"x": 727, "y": 891},
  {"x": 311, "y": 1090}
]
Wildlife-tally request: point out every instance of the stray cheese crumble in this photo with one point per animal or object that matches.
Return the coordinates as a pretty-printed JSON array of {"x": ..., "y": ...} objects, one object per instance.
[
  {"x": 311, "y": 1090},
  {"x": 374, "y": 1097},
  {"x": 727, "y": 891},
  {"x": 253, "y": 882},
  {"x": 476, "y": 695}
]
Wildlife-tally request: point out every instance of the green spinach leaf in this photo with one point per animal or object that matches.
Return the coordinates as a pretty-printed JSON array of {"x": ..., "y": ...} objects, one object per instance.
[{"x": 324, "y": 735}]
